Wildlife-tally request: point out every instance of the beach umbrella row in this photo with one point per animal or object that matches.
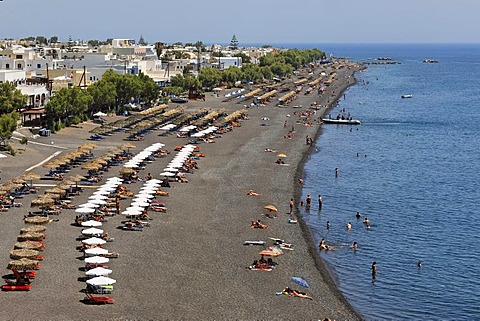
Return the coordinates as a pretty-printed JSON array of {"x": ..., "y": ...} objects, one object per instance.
[
  {"x": 178, "y": 161},
  {"x": 141, "y": 200},
  {"x": 205, "y": 132},
  {"x": 99, "y": 197},
  {"x": 95, "y": 253},
  {"x": 140, "y": 157}
]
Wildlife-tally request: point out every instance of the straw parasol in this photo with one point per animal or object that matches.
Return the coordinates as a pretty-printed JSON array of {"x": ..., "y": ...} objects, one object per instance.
[
  {"x": 128, "y": 146},
  {"x": 30, "y": 176},
  {"x": 127, "y": 170},
  {"x": 33, "y": 229},
  {"x": 87, "y": 146},
  {"x": 37, "y": 220},
  {"x": 55, "y": 190},
  {"x": 23, "y": 253},
  {"x": 31, "y": 236},
  {"x": 271, "y": 208},
  {"x": 23, "y": 264},
  {"x": 29, "y": 245},
  {"x": 8, "y": 186},
  {"x": 44, "y": 200},
  {"x": 91, "y": 166}
]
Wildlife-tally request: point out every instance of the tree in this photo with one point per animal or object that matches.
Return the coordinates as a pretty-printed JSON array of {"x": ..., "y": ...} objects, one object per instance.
[
  {"x": 41, "y": 40},
  {"x": 8, "y": 123},
  {"x": 251, "y": 73},
  {"x": 231, "y": 75},
  {"x": 209, "y": 77},
  {"x": 149, "y": 89},
  {"x": 104, "y": 95},
  {"x": 93, "y": 43},
  {"x": 142, "y": 41},
  {"x": 159, "y": 48},
  {"x": 245, "y": 58},
  {"x": 53, "y": 39},
  {"x": 11, "y": 99},
  {"x": 234, "y": 42},
  {"x": 68, "y": 105}
]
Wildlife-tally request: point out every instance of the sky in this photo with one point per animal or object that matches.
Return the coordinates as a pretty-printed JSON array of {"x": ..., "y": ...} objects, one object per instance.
[{"x": 252, "y": 21}]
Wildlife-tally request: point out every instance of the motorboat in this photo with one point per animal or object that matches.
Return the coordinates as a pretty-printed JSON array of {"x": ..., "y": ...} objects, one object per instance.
[
  {"x": 341, "y": 121},
  {"x": 407, "y": 96},
  {"x": 179, "y": 100}
]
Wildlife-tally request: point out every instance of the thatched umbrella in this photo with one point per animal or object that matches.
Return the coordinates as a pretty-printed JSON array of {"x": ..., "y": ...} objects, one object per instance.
[
  {"x": 127, "y": 170},
  {"x": 55, "y": 190},
  {"x": 128, "y": 146},
  {"x": 23, "y": 264},
  {"x": 33, "y": 229},
  {"x": 87, "y": 147},
  {"x": 30, "y": 175},
  {"x": 29, "y": 245},
  {"x": 42, "y": 201},
  {"x": 38, "y": 220},
  {"x": 23, "y": 253},
  {"x": 53, "y": 196},
  {"x": 91, "y": 166},
  {"x": 30, "y": 237},
  {"x": 76, "y": 178},
  {"x": 8, "y": 186},
  {"x": 100, "y": 161}
]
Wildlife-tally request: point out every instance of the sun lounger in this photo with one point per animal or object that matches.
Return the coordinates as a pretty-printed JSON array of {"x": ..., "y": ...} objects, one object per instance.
[{"x": 98, "y": 299}]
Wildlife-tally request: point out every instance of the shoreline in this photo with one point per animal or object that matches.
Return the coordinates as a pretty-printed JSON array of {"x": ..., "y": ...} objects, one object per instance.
[
  {"x": 321, "y": 265},
  {"x": 192, "y": 262}
]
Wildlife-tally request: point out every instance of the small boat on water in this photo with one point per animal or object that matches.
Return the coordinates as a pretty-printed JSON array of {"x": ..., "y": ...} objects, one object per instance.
[
  {"x": 341, "y": 121},
  {"x": 179, "y": 100},
  {"x": 430, "y": 61},
  {"x": 407, "y": 96}
]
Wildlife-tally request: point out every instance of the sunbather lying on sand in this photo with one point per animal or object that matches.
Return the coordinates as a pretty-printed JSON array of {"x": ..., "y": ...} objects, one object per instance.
[
  {"x": 252, "y": 193},
  {"x": 257, "y": 224},
  {"x": 290, "y": 292}
]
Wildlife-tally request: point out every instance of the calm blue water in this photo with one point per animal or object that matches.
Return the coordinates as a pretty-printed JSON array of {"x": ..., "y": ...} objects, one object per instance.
[{"x": 419, "y": 184}]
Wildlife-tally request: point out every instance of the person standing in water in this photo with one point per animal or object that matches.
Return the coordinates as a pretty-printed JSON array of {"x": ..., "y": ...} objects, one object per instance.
[
  {"x": 308, "y": 202},
  {"x": 320, "y": 202},
  {"x": 336, "y": 171},
  {"x": 374, "y": 270}
]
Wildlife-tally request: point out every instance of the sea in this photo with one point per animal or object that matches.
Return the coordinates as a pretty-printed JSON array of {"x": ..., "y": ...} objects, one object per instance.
[{"x": 413, "y": 169}]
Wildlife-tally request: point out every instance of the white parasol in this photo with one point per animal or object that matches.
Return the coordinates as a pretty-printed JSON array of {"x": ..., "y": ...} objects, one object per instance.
[
  {"x": 97, "y": 260},
  {"x": 96, "y": 251},
  {"x": 94, "y": 241},
  {"x": 92, "y": 231},
  {"x": 98, "y": 271},
  {"x": 91, "y": 223}
]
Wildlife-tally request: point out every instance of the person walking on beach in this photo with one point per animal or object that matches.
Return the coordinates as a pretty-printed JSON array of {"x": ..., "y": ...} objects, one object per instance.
[
  {"x": 291, "y": 203},
  {"x": 307, "y": 140},
  {"x": 117, "y": 206},
  {"x": 320, "y": 202}
]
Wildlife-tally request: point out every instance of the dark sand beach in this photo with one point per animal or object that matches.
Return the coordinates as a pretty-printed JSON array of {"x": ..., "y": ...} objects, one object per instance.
[{"x": 191, "y": 262}]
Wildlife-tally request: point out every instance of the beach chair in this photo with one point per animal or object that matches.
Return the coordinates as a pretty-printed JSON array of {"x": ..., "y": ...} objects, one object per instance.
[{"x": 98, "y": 299}]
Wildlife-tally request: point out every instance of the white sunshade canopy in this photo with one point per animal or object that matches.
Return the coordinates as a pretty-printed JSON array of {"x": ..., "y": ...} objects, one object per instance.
[
  {"x": 91, "y": 223},
  {"x": 98, "y": 271},
  {"x": 85, "y": 210},
  {"x": 92, "y": 231},
  {"x": 96, "y": 251},
  {"x": 97, "y": 260},
  {"x": 94, "y": 241},
  {"x": 101, "y": 280}
]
